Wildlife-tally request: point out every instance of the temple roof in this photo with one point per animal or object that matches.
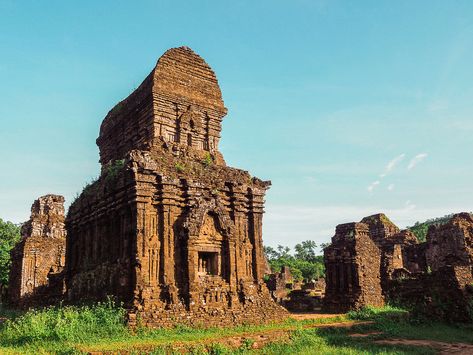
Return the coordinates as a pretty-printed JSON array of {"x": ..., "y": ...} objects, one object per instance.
[{"x": 180, "y": 75}]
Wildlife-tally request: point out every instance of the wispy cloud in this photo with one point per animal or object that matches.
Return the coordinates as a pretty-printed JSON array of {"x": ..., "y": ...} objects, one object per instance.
[
  {"x": 392, "y": 164},
  {"x": 390, "y": 187},
  {"x": 409, "y": 205},
  {"x": 416, "y": 160},
  {"x": 387, "y": 170},
  {"x": 373, "y": 185}
]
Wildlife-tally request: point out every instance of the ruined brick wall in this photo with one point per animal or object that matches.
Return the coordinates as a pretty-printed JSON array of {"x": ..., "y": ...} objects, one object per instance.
[
  {"x": 414, "y": 256},
  {"x": 36, "y": 275},
  {"x": 451, "y": 243},
  {"x": 381, "y": 229},
  {"x": 352, "y": 264},
  {"x": 397, "y": 248},
  {"x": 168, "y": 227},
  {"x": 439, "y": 278},
  {"x": 279, "y": 280},
  {"x": 445, "y": 294}
]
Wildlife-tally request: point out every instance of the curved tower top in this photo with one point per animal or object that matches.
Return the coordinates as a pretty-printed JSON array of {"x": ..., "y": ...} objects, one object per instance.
[{"x": 178, "y": 104}]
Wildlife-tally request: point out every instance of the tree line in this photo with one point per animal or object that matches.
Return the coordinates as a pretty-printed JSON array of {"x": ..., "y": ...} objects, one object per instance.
[
  {"x": 304, "y": 262},
  {"x": 9, "y": 236}
]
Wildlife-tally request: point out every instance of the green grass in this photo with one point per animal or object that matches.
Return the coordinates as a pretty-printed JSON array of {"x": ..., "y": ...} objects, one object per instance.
[
  {"x": 395, "y": 322},
  {"x": 101, "y": 327}
]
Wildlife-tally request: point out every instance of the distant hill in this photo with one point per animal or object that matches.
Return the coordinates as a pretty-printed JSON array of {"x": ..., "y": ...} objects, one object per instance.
[{"x": 420, "y": 228}]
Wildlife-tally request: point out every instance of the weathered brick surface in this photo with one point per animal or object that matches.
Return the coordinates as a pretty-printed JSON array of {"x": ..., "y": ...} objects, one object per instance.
[
  {"x": 435, "y": 276},
  {"x": 451, "y": 243},
  {"x": 352, "y": 268},
  {"x": 38, "y": 260},
  {"x": 168, "y": 228}
]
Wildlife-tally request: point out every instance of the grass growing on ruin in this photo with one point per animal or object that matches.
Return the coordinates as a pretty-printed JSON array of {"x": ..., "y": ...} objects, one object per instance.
[{"x": 101, "y": 327}]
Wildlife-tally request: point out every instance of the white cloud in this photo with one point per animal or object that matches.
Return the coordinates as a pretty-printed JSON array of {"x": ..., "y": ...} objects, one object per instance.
[
  {"x": 391, "y": 187},
  {"x": 373, "y": 185},
  {"x": 416, "y": 160},
  {"x": 409, "y": 205},
  {"x": 392, "y": 164}
]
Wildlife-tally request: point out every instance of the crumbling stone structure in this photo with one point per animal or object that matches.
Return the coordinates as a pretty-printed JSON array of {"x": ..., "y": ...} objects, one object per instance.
[
  {"x": 352, "y": 269},
  {"x": 38, "y": 260},
  {"x": 280, "y": 283},
  {"x": 435, "y": 276},
  {"x": 280, "y": 280},
  {"x": 168, "y": 228},
  {"x": 451, "y": 243}
]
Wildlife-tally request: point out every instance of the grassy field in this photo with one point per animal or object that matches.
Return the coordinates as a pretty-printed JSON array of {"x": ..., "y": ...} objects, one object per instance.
[{"x": 101, "y": 328}]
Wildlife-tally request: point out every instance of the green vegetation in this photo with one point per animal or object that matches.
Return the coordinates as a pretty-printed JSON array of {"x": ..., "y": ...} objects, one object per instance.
[
  {"x": 420, "y": 229},
  {"x": 304, "y": 263},
  {"x": 76, "y": 324},
  {"x": 9, "y": 236},
  {"x": 207, "y": 161},
  {"x": 114, "y": 169},
  {"x": 180, "y": 167},
  {"x": 109, "y": 176},
  {"x": 394, "y": 322},
  {"x": 101, "y": 327}
]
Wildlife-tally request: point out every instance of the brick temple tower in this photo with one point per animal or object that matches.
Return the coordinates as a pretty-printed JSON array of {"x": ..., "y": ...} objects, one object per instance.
[
  {"x": 168, "y": 228},
  {"x": 38, "y": 259}
]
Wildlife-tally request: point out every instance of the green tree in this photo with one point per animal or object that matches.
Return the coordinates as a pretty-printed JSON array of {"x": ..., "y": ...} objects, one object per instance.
[
  {"x": 304, "y": 263},
  {"x": 9, "y": 236},
  {"x": 306, "y": 251}
]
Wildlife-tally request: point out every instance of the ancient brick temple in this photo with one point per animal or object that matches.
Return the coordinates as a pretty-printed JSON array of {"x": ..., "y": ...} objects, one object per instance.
[
  {"x": 371, "y": 262},
  {"x": 38, "y": 260},
  {"x": 168, "y": 228},
  {"x": 352, "y": 269}
]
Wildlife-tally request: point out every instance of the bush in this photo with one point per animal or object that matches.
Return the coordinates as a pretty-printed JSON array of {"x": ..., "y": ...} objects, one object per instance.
[
  {"x": 65, "y": 323},
  {"x": 180, "y": 167},
  {"x": 379, "y": 313},
  {"x": 207, "y": 161}
]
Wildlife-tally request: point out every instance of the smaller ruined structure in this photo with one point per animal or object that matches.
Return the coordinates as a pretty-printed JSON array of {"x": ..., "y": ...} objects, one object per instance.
[
  {"x": 36, "y": 275},
  {"x": 352, "y": 268},
  {"x": 280, "y": 280},
  {"x": 280, "y": 283},
  {"x": 434, "y": 277},
  {"x": 451, "y": 244}
]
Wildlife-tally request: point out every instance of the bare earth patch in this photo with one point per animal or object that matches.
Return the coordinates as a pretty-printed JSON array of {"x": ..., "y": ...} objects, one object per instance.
[
  {"x": 304, "y": 316},
  {"x": 444, "y": 348},
  {"x": 364, "y": 335}
]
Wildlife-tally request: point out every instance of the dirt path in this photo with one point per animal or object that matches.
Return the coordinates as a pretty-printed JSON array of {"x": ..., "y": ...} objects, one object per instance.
[
  {"x": 304, "y": 316},
  {"x": 445, "y": 348}
]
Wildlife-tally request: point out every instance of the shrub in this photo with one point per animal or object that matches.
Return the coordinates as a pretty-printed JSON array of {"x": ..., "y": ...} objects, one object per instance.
[
  {"x": 207, "y": 161},
  {"x": 114, "y": 168},
  {"x": 180, "y": 167},
  {"x": 379, "y": 313},
  {"x": 66, "y": 323}
]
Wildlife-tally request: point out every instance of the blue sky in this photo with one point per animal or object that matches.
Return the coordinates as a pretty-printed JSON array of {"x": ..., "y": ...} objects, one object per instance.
[{"x": 350, "y": 108}]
